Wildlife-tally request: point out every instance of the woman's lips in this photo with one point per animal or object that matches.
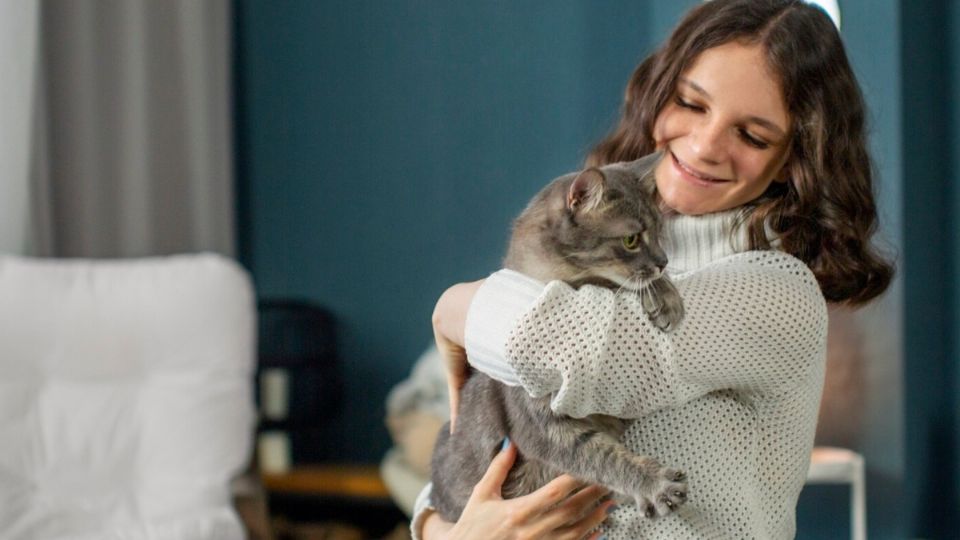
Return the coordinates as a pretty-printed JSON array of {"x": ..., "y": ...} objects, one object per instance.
[{"x": 693, "y": 175}]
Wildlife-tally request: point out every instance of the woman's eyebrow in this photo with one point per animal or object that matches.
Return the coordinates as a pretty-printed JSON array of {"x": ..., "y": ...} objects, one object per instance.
[
  {"x": 696, "y": 87},
  {"x": 777, "y": 130}
]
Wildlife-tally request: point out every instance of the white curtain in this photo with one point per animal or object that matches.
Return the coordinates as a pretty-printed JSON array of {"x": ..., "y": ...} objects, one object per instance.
[
  {"x": 18, "y": 53},
  {"x": 131, "y": 150}
]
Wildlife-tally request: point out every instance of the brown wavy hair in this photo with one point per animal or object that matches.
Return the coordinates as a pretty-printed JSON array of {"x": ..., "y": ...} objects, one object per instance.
[{"x": 825, "y": 213}]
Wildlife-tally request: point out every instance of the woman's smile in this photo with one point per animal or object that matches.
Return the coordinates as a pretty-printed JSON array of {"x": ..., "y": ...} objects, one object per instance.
[{"x": 695, "y": 177}]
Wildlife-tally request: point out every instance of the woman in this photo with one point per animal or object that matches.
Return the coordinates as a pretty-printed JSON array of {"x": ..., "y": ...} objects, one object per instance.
[{"x": 768, "y": 186}]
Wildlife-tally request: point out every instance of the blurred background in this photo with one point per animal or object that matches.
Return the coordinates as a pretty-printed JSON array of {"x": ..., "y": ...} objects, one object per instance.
[{"x": 357, "y": 157}]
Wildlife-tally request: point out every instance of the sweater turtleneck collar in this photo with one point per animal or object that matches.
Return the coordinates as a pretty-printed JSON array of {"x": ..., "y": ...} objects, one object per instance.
[{"x": 694, "y": 241}]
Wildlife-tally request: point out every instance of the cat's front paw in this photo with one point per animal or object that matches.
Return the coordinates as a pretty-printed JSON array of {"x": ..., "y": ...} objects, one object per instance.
[
  {"x": 666, "y": 491},
  {"x": 663, "y": 304}
]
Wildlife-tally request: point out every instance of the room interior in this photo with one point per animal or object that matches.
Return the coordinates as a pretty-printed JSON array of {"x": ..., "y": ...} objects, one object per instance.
[{"x": 225, "y": 224}]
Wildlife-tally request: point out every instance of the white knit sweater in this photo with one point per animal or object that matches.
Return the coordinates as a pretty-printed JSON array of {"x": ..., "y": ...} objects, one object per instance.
[{"x": 730, "y": 397}]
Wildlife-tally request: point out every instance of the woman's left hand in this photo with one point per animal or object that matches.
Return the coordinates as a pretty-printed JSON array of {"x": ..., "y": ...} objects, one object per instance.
[{"x": 449, "y": 322}]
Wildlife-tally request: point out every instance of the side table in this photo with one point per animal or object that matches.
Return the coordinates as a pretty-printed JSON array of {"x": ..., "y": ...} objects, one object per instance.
[
  {"x": 841, "y": 466},
  {"x": 324, "y": 497}
]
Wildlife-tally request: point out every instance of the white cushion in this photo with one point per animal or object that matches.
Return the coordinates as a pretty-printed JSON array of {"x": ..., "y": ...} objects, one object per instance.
[{"x": 125, "y": 396}]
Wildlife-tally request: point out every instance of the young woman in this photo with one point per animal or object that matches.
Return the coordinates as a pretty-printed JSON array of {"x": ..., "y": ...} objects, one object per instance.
[{"x": 767, "y": 184}]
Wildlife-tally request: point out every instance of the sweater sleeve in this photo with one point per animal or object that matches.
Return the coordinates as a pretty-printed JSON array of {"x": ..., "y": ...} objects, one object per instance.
[
  {"x": 421, "y": 510},
  {"x": 497, "y": 307},
  {"x": 755, "y": 322}
]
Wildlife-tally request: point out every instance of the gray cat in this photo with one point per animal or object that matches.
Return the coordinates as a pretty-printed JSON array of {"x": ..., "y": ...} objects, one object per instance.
[{"x": 599, "y": 227}]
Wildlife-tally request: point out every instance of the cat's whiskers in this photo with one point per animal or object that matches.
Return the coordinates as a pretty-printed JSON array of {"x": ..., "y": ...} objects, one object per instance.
[{"x": 624, "y": 285}]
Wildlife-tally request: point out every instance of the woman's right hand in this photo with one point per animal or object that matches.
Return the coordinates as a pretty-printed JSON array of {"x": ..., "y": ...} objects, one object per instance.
[{"x": 557, "y": 511}]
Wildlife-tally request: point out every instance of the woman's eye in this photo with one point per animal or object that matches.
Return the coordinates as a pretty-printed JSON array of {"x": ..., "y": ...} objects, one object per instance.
[
  {"x": 753, "y": 141},
  {"x": 632, "y": 242},
  {"x": 687, "y": 105}
]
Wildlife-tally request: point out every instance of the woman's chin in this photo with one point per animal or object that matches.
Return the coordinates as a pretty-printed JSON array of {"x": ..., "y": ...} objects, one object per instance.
[
  {"x": 687, "y": 208},
  {"x": 681, "y": 201}
]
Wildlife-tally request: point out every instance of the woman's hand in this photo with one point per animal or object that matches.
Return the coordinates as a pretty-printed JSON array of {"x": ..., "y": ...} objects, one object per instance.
[
  {"x": 558, "y": 511},
  {"x": 449, "y": 321}
]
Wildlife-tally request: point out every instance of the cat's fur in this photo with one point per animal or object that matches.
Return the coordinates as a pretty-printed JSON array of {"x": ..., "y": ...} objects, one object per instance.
[{"x": 573, "y": 230}]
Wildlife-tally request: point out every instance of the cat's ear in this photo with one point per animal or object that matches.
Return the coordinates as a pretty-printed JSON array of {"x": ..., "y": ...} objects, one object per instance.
[
  {"x": 644, "y": 169},
  {"x": 648, "y": 184},
  {"x": 586, "y": 190},
  {"x": 645, "y": 165}
]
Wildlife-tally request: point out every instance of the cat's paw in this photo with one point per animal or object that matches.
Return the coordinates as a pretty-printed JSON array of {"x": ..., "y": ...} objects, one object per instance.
[
  {"x": 666, "y": 492},
  {"x": 663, "y": 304},
  {"x": 668, "y": 316}
]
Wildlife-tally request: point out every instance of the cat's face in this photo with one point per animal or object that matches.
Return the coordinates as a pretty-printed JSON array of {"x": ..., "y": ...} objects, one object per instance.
[{"x": 614, "y": 225}]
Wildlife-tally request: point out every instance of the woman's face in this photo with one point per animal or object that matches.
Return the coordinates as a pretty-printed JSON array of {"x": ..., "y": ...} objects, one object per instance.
[{"x": 725, "y": 132}]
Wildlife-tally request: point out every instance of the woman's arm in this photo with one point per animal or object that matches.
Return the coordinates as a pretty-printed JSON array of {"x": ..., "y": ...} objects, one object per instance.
[
  {"x": 755, "y": 322},
  {"x": 451, "y": 321}
]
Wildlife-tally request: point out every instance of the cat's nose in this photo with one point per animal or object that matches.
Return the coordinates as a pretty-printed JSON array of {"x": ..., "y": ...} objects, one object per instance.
[{"x": 660, "y": 261}]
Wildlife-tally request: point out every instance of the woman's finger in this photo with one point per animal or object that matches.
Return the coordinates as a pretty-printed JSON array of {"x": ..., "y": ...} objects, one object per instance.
[
  {"x": 453, "y": 389},
  {"x": 492, "y": 482},
  {"x": 573, "y": 509},
  {"x": 578, "y": 505},
  {"x": 555, "y": 491},
  {"x": 581, "y": 528}
]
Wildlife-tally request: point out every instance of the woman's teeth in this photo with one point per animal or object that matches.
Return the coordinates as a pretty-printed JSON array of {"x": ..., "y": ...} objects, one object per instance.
[{"x": 694, "y": 173}]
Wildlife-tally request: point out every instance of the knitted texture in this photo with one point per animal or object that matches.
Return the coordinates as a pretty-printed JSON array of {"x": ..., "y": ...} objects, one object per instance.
[{"x": 730, "y": 397}]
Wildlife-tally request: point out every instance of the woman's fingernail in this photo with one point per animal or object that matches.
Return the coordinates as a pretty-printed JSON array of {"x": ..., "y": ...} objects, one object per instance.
[
  {"x": 611, "y": 508},
  {"x": 506, "y": 444}
]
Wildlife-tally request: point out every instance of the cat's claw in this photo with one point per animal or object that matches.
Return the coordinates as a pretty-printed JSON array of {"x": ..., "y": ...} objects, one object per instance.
[
  {"x": 663, "y": 304},
  {"x": 665, "y": 321},
  {"x": 668, "y": 491},
  {"x": 650, "y": 511}
]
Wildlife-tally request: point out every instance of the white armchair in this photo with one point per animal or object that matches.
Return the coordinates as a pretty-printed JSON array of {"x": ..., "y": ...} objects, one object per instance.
[{"x": 126, "y": 402}]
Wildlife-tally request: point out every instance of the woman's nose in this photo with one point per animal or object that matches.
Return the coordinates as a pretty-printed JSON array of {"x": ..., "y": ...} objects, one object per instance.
[{"x": 708, "y": 143}]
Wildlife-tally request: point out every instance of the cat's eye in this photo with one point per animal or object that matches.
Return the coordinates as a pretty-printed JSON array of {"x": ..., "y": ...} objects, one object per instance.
[{"x": 631, "y": 242}]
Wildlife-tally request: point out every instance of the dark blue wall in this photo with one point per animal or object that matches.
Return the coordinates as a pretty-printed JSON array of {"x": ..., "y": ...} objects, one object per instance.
[
  {"x": 930, "y": 263},
  {"x": 953, "y": 281},
  {"x": 385, "y": 146},
  {"x": 872, "y": 33}
]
